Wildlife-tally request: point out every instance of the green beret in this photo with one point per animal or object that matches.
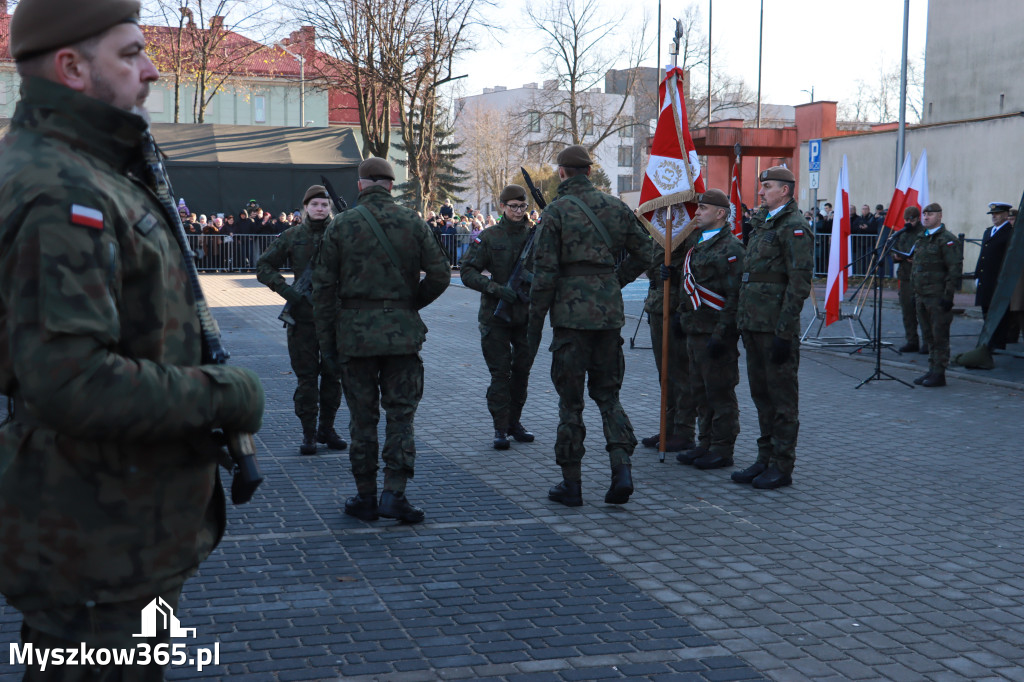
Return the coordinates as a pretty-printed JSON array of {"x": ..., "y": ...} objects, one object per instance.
[
  {"x": 575, "y": 156},
  {"x": 780, "y": 173},
  {"x": 375, "y": 168},
  {"x": 932, "y": 208},
  {"x": 714, "y": 197},
  {"x": 39, "y": 26},
  {"x": 315, "y": 192},
  {"x": 512, "y": 192}
]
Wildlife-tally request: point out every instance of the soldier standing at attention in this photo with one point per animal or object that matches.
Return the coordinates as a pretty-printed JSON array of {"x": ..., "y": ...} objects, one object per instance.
[
  {"x": 938, "y": 266},
  {"x": 994, "y": 243},
  {"x": 581, "y": 233},
  {"x": 506, "y": 352},
  {"x": 905, "y": 241},
  {"x": 775, "y": 282},
  {"x": 710, "y": 293},
  {"x": 109, "y": 493},
  {"x": 366, "y": 296},
  {"x": 298, "y": 245}
]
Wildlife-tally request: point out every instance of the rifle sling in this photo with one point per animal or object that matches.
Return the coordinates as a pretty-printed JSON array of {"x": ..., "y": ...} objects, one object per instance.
[
  {"x": 593, "y": 218},
  {"x": 378, "y": 232}
]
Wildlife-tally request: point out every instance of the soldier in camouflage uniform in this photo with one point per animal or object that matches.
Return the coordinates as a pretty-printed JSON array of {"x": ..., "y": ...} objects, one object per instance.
[
  {"x": 938, "y": 267},
  {"x": 506, "y": 352},
  {"x": 775, "y": 282},
  {"x": 298, "y": 246},
  {"x": 709, "y": 294},
  {"x": 366, "y": 296},
  {"x": 575, "y": 278},
  {"x": 904, "y": 242},
  {"x": 109, "y": 492}
]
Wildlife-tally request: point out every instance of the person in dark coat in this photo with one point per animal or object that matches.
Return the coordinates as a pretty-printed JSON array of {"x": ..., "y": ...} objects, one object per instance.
[{"x": 990, "y": 263}]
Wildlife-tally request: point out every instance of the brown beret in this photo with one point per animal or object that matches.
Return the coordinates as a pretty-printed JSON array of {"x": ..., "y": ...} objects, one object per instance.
[
  {"x": 932, "y": 208},
  {"x": 512, "y": 192},
  {"x": 315, "y": 192},
  {"x": 714, "y": 197},
  {"x": 780, "y": 173},
  {"x": 911, "y": 213},
  {"x": 575, "y": 156},
  {"x": 376, "y": 168},
  {"x": 39, "y": 26}
]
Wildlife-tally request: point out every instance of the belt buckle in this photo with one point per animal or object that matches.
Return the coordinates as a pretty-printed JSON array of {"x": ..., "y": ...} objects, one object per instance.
[{"x": 745, "y": 278}]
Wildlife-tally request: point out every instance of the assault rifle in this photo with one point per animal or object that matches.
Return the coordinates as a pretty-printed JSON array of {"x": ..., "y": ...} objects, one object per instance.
[{"x": 521, "y": 278}]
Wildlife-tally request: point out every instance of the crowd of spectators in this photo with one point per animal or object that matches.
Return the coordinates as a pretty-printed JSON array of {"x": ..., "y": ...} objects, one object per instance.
[
  {"x": 231, "y": 241},
  {"x": 456, "y": 230}
]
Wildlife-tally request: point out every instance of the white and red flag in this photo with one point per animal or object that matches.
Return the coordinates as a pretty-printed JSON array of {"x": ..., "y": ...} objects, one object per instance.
[
  {"x": 894, "y": 218},
  {"x": 917, "y": 194},
  {"x": 839, "y": 253},
  {"x": 673, "y": 179},
  {"x": 736, "y": 201}
]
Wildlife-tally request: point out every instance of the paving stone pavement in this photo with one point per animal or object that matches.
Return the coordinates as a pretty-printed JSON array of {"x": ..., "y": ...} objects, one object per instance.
[{"x": 895, "y": 555}]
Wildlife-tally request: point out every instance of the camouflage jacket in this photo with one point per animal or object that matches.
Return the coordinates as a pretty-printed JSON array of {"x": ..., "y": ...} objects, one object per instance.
[
  {"x": 905, "y": 241},
  {"x": 296, "y": 245},
  {"x": 354, "y": 280},
  {"x": 568, "y": 243},
  {"x": 656, "y": 289},
  {"x": 938, "y": 265},
  {"x": 102, "y": 496},
  {"x": 715, "y": 264},
  {"x": 496, "y": 250},
  {"x": 781, "y": 250}
]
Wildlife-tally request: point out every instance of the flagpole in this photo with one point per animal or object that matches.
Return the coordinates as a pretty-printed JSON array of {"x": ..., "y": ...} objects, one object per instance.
[{"x": 901, "y": 135}]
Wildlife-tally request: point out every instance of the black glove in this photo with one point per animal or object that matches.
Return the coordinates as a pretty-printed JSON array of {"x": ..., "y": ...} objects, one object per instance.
[
  {"x": 508, "y": 294},
  {"x": 946, "y": 304},
  {"x": 676, "y": 322},
  {"x": 667, "y": 272},
  {"x": 289, "y": 294},
  {"x": 780, "y": 350},
  {"x": 716, "y": 347}
]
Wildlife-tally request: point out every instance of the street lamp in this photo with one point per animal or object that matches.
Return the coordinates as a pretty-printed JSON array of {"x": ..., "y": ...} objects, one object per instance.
[
  {"x": 810, "y": 92},
  {"x": 302, "y": 83}
]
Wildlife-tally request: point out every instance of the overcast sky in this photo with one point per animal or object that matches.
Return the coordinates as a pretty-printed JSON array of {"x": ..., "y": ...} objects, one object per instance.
[{"x": 824, "y": 44}]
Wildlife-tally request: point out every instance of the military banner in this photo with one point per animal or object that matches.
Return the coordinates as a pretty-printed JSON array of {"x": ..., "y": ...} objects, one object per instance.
[{"x": 672, "y": 181}]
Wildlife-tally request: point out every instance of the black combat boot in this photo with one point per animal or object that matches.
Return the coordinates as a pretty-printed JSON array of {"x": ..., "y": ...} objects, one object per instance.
[
  {"x": 678, "y": 443},
  {"x": 327, "y": 435},
  {"x": 910, "y": 347},
  {"x": 500, "y": 440},
  {"x": 519, "y": 432},
  {"x": 937, "y": 378},
  {"x": 622, "y": 485},
  {"x": 569, "y": 493},
  {"x": 692, "y": 455},
  {"x": 750, "y": 473},
  {"x": 308, "y": 446},
  {"x": 395, "y": 506},
  {"x": 924, "y": 377},
  {"x": 772, "y": 478},
  {"x": 713, "y": 460},
  {"x": 363, "y": 506},
  {"x": 651, "y": 441}
]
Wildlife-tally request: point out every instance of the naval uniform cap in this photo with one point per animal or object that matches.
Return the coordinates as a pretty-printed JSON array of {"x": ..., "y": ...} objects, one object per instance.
[{"x": 998, "y": 207}]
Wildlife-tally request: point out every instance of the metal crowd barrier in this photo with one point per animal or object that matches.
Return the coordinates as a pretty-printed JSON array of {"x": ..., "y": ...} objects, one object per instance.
[
  {"x": 228, "y": 253},
  {"x": 455, "y": 245},
  {"x": 861, "y": 246}
]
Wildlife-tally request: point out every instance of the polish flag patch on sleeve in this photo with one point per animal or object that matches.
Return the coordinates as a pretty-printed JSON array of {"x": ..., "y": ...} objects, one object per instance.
[
  {"x": 798, "y": 233},
  {"x": 732, "y": 259},
  {"x": 950, "y": 243},
  {"x": 86, "y": 217}
]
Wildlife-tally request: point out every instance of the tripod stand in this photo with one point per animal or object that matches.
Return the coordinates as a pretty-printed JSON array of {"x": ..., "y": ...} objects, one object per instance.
[{"x": 880, "y": 252}]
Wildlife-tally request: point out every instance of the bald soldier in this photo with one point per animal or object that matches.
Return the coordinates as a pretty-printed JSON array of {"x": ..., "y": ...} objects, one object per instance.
[
  {"x": 776, "y": 281},
  {"x": 509, "y": 358},
  {"x": 109, "y": 493}
]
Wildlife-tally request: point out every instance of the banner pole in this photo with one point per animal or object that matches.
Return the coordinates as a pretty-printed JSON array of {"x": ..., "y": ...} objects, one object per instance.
[{"x": 665, "y": 336}]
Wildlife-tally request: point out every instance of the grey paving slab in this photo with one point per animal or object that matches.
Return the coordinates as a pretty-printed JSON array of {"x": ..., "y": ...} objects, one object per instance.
[{"x": 895, "y": 555}]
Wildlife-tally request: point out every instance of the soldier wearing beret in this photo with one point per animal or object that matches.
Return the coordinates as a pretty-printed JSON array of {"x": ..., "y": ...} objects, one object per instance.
[
  {"x": 506, "y": 352},
  {"x": 575, "y": 278},
  {"x": 938, "y": 266},
  {"x": 367, "y": 294},
  {"x": 904, "y": 244},
  {"x": 709, "y": 294},
  {"x": 298, "y": 245},
  {"x": 994, "y": 242},
  {"x": 775, "y": 282},
  {"x": 109, "y": 492}
]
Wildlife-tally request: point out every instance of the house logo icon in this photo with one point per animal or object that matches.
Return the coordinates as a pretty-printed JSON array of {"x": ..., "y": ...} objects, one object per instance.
[{"x": 158, "y": 615}]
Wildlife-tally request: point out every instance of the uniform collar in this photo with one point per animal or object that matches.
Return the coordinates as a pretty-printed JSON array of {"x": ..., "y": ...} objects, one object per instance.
[
  {"x": 85, "y": 123},
  {"x": 375, "y": 194},
  {"x": 574, "y": 185},
  {"x": 513, "y": 224},
  {"x": 935, "y": 229}
]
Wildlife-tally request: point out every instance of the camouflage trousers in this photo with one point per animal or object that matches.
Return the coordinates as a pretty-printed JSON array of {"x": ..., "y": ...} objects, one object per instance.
[
  {"x": 509, "y": 361},
  {"x": 935, "y": 324},
  {"x": 682, "y": 408},
  {"x": 908, "y": 304},
  {"x": 107, "y": 626},
  {"x": 775, "y": 391},
  {"x": 594, "y": 358},
  {"x": 310, "y": 399},
  {"x": 394, "y": 382},
  {"x": 715, "y": 382}
]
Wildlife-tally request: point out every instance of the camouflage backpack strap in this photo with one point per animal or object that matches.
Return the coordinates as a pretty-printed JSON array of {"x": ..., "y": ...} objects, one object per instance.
[
  {"x": 593, "y": 218},
  {"x": 378, "y": 232}
]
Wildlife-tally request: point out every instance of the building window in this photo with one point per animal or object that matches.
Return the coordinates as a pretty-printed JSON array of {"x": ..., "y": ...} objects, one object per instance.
[
  {"x": 625, "y": 183},
  {"x": 626, "y": 156},
  {"x": 559, "y": 121},
  {"x": 588, "y": 124},
  {"x": 626, "y": 131},
  {"x": 533, "y": 122},
  {"x": 260, "y": 106}
]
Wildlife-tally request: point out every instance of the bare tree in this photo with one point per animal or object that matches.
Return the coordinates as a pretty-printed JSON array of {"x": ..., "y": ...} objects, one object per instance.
[
  {"x": 879, "y": 100},
  {"x": 493, "y": 153}
]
